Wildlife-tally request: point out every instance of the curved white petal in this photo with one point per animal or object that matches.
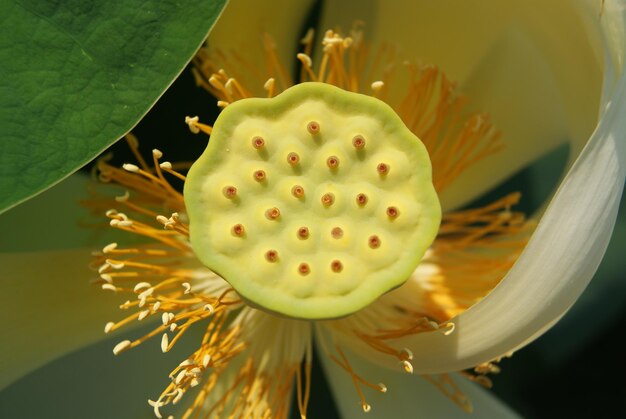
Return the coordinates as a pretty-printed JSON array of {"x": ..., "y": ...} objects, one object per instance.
[
  {"x": 512, "y": 59},
  {"x": 557, "y": 264},
  {"x": 54, "y": 219},
  {"x": 48, "y": 308},
  {"x": 407, "y": 396},
  {"x": 92, "y": 383}
]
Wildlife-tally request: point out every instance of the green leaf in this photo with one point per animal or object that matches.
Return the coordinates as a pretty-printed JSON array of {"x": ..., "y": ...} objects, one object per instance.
[{"x": 76, "y": 76}]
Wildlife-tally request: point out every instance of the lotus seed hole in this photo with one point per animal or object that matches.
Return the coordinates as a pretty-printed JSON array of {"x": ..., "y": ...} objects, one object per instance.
[
  {"x": 328, "y": 199},
  {"x": 304, "y": 269},
  {"x": 361, "y": 199},
  {"x": 272, "y": 213},
  {"x": 271, "y": 255},
  {"x": 336, "y": 266},
  {"x": 332, "y": 162},
  {"x": 239, "y": 230},
  {"x": 297, "y": 191},
  {"x": 313, "y": 127},
  {"x": 259, "y": 175},
  {"x": 392, "y": 212},
  {"x": 374, "y": 242},
  {"x": 229, "y": 192},
  {"x": 303, "y": 232},
  {"x": 358, "y": 142},
  {"x": 293, "y": 158},
  {"x": 336, "y": 232},
  {"x": 382, "y": 168},
  {"x": 258, "y": 143}
]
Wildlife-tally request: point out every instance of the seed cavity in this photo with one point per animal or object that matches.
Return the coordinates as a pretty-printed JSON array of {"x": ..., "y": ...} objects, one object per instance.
[
  {"x": 297, "y": 191},
  {"x": 313, "y": 127},
  {"x": 239, "y": 230},
  {"x": 303, "y": 232},
  {"x": 358, "y": 142},
  {"x": 361, "y": 199},
  {"x": 374, "y": 241},
  {"x": 304, "y": 269},
  {"x": 392, "y": 212},
  {"x": 258, "y": 142},
  {"x": 272, "y": 213},
  {"x": 229, "y": 192},
  {"x": 271, "y": 255},
  {"x": 259, "y": 175},
  {"x": 332, "y": 162},
  {"x": 293, "y": 158},
  {"x": 382, "y": 168},
  {"x": 336, "y": 232},
  {"x": 328, "y": 199},
  {"x": 336, "y": 266}
]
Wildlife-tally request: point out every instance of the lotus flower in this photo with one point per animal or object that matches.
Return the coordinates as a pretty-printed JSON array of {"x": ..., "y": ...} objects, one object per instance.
[{"x": 510, "y": 62}]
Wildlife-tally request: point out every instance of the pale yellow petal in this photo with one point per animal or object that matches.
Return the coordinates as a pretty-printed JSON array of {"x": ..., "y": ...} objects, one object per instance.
[
  {"x": 556, "y": 266},
  {"x": 55, "y": 219},
  {"x": 515, "y": 61},
  {"x": 240, "y": 31},
  {"x": 49, "y": 308},
  {"x": 407, "y": 396}
]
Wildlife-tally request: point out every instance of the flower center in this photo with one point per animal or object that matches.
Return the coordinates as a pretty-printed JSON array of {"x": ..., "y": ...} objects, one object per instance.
[{"x": 282, "y": 176}]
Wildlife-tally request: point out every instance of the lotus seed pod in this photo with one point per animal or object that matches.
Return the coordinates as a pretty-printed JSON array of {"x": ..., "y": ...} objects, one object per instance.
[{"x": 369, "y": 214}]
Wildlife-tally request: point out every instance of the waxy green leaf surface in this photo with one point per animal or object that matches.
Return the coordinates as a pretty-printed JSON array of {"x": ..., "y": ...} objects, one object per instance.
[{"x": 76, "y": 76}]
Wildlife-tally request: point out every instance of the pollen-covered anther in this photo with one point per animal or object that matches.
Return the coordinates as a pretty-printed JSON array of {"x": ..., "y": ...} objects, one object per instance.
[
  {"x": 336, "y": 266},
  {"x": 407, "y": 366},
  {"x": 187, "y": 287},
  {"x": 259, "y": 175},
  {"x": 304, "y": 269},
  {"x": 229, "y": 192},
  {"x": 361, "y": 199},
  {"x": 332, "y": 162},
  {"x": 156, "y": 153},
  {"x": 271, "y": 255},
  {"x": 382, "y": 387},
  {"x": 297, "y": 191},
  {"x": 272, "y": 213},
  {"x": 382, "y": 168},
  {"x": 303, "y": 232},
  {"x": 164, "y": 343},
  {"x": 122, "y": 346},
  {"x": 336, "y": 232},
  {"x": 239, "y": 230},
  {"x": 142, "y": 286},
  {"x": 358, "y": 142},
  {"x": 374, "y": 242},
  {"x": 328, "y": 199},
  {"x": 258, "y": 142},
  {"x": 377, "y": 86},
  {"x": 108, "y": 327},
  {"x": 293, "y": 158},
  {"x": 109, "y": 248},
  {"x": 192, "y": 124},
  {"x": 392, "y": 212},
  {"x": 130, "y": 167},
  {"x": 313, "y": 127}
]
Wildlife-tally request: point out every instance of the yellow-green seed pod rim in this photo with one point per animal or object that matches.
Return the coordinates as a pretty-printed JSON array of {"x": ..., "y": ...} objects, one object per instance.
[{"x": 263, "y": 297}]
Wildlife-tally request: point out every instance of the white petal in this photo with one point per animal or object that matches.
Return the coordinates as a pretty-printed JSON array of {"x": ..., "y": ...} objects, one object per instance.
[
  {"x": 49, "y": 308},
  {"x": 511, "y": 58},
  {"x": 557, "y": 264},
  {"x": 54, "y": 219},
  {"x": 407, "y": 396},
  {"x": 93, "y": 383}
]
